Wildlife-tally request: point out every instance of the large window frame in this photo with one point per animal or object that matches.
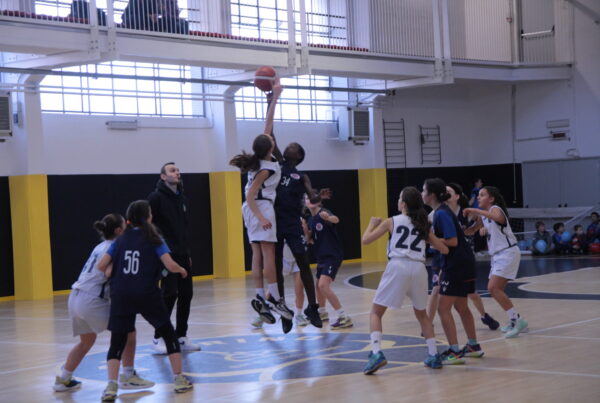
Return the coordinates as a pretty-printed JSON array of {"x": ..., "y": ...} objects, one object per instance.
[{"x": 124, "y": 96}]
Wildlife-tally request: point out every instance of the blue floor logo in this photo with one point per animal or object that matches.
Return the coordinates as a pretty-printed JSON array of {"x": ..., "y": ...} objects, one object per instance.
[{"x": 260, "y": 357}]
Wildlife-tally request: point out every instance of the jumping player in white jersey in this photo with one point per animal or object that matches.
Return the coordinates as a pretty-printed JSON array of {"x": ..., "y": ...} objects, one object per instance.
[
  {"x": 89, "y": 309},
  {"x": 264, "y": 174},
  {"x": 405, "y": 273},
  {"x": 502, "y": 246}
]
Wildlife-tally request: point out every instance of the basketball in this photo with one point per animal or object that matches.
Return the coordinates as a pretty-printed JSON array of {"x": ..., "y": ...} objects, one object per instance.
[
  {"x": 261, "y": 80},
  {"x": 566, "y": 236}
]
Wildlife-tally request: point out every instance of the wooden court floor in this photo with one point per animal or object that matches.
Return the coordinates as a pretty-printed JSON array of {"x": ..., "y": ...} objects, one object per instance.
[{"x": 557, "y": 361}]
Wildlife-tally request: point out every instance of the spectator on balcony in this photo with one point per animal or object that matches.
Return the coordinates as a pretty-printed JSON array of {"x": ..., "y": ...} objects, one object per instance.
[
  {"x": 142, "y": 14},
  {"x": 169, "y": 19},
  {"x": 80, "y": 12}
]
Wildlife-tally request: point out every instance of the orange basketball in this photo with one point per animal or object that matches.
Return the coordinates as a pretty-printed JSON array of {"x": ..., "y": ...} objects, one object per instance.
[{"x": 262, "y": 80}]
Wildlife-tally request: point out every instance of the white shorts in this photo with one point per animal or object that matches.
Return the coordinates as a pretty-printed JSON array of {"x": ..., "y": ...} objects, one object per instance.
[
  {"x": 506, "y": 263},
  {"x": 289, "y": 261},
  {"x": 256, "y": 233},
  {"x": 402, "y": 277},
  {"x": 89, "y": 314}
]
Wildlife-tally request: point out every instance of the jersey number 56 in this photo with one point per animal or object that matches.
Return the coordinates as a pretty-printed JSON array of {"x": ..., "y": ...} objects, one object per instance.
[{"x": 133, "y": 262}]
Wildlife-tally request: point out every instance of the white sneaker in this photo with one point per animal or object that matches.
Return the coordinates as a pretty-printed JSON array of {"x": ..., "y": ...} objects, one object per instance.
[
  {"x": 158, "y": 345},
  {"x": 257, "y": 323},
  {"x": 187, "y": 345},
  {"x": 300, "y": 320}
]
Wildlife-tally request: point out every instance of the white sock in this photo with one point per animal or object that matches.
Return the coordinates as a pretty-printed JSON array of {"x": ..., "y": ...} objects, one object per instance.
[
  {"x": 260, "y": 292},
  {"x": 299, "y": 311},
  {"x": 176, "y": 375},
  {"x": 127, "y": 372},
  {"x": 113, "y": 381},
  {"x": 274, "y": 291},
  {"x": 322, "y": 310},
  {"x": 431, "y": 348},
  {"x": 64, "y": 374},
  {"x": 339, "y": 312},
  {"x": 512, "y": 314},
  {"x": 376, "y": 342}
]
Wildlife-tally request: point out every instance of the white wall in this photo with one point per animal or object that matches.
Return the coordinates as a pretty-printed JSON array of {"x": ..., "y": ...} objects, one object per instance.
[{"x": 474, "y": 122}]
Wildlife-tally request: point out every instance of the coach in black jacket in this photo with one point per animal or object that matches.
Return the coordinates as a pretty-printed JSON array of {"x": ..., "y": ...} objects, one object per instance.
[{"x": 169, "y": 213}]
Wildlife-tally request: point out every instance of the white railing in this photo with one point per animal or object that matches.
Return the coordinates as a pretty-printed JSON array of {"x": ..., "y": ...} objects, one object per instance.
[{"x": 496, "y": 31}]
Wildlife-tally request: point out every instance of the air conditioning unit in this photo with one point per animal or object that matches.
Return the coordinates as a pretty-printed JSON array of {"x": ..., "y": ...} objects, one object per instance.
[
  {"x": 353, "y": 124},
  {"x": 6, "y": 117}
]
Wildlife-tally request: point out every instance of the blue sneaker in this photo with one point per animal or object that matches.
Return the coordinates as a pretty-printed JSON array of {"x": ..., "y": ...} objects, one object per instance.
[
  {"x": 433, "y": 361},
  {"x": 376, "y": 361},
  {"x": 450, "y": 357}
]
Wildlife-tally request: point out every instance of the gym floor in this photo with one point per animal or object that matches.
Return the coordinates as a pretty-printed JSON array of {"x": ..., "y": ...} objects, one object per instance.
[{"x": 556, "y": 361}]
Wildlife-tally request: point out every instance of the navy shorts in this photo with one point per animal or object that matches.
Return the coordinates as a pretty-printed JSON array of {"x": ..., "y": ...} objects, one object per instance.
[
  {"x": 328, "y": 268},
  {"x": 292, "y": 234},
  {"x": 123, "y": 311},
  {"x": 456, "y": 286}
]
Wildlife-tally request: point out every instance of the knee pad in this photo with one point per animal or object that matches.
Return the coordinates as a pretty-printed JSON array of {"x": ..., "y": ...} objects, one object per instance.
[
  {"x": 117, "y": 345},
  {"x": 167, "y": 332}
]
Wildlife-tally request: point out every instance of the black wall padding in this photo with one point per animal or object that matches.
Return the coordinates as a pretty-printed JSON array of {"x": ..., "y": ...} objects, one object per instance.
[
  {"x": 7, "y": 281},
  {"x": 500, "y": 175},
  {"x": 345, "y": 204},
  {"x": 76, "y": 201}
]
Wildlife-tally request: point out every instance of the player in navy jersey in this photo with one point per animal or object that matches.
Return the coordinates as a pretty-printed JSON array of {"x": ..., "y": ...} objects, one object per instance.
[
  {"x": 457, "y": 203},
  {"x": 89, "y": 309},
  {"x": 505, "y": 255},
  {"x": 405, "y": 273},
  {"x": 258, "y": 212},
  {"x": 137, "y": 260},
  {"x": 320, "y": 231},
  {"x": 288, "y": 211},
  {"x": 457, "y": 278}
]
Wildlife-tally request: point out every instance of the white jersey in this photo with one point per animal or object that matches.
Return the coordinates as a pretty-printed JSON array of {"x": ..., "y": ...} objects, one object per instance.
[
  {"x": 405, "y": 240},
  {"x": 268, "y": 190},
  {"x": 91, "y": 280},
  {"x": 499, "y": 237}
]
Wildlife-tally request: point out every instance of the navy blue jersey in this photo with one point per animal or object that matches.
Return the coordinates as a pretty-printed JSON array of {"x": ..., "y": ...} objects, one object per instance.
[
  {"x": 136, "y": 265},
  {"x": 290, "y": 192},
  {"x": 459, "y": 261},
  {"x": 327, "y": 244}
]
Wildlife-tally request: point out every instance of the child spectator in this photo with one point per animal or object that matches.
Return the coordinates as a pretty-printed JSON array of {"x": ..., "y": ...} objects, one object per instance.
[
  {"x": 578, "y": 243},
  {"x": 561, "y": 247},
  {"x": 593, "y": 230},
  {"x": 541, "y": 235}
]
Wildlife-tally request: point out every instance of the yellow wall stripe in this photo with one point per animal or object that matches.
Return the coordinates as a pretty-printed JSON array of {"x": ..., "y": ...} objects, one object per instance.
[
  {"x": 31, "y": 236},
  {"x": 372, "y": 189},
  {"x": 227, "y": 226}
]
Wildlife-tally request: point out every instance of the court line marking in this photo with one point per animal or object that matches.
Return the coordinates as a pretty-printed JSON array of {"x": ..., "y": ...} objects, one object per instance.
[
  {"x": 567, "y": 337},
  {"x": 14, "y": 371},
  {"x": 534, "y": 371},
  {"x": 532, "y": 332}
]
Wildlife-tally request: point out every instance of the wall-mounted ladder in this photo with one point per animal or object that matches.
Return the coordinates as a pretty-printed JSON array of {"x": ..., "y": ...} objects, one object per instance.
[
  {"x": 395, "y": 144},
  {"x": 431, "y": 144}
]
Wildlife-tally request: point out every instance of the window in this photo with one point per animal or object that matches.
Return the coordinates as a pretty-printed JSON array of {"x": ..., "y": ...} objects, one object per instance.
[
  {"x": 267, "y": 19},
  {"x": 124, "y": 96},
  {"x": 294, "y": 105}
]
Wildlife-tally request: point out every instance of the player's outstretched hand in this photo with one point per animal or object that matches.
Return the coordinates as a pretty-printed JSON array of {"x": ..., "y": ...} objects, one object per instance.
[
  {"x": 375, "y": 221},
  {"x": 468, "y": 211},
  {"x": 325, "y": 193}
]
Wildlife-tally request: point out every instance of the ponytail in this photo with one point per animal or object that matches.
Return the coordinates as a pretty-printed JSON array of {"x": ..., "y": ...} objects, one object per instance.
[
  {"x": 138, "y": 213},
  {"x": 108, "y": 224},
  {"x": 415, "y": 211},
  {"x": 246, "y": 162},
  {"x": 437, "y": 187}
]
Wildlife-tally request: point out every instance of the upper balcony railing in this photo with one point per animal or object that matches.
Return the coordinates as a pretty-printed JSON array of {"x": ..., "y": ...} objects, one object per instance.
[{"x": 491, "y": 31}]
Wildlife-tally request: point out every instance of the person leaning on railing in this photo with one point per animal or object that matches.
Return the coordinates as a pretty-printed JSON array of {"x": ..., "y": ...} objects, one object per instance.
[{"x": 154, "y": 15}]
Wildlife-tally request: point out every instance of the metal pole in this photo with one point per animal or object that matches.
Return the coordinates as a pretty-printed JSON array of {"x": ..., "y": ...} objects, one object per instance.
[{"x": 14, "y": 70}]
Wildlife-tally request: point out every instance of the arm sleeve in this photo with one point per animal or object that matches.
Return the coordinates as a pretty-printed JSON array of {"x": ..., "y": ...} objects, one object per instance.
[
  {"x": 112, "y": 250},
  {"x": 445, "y": 224},
  {"x": 162, "y": 249}
]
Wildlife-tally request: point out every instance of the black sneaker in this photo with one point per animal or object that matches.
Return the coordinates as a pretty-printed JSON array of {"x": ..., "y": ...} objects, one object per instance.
[
  {"x": 490, "y": 322},
  {"x": 261, "y": 306},
  {"x": 312, "y": 313},
  {"x": 281, "y": 308},
  {"x": 286, "y": 325}
]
